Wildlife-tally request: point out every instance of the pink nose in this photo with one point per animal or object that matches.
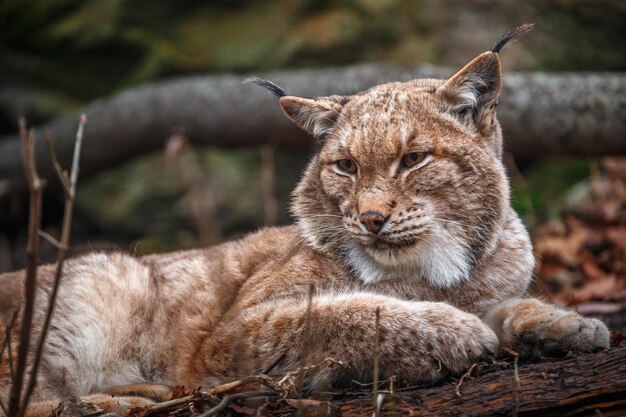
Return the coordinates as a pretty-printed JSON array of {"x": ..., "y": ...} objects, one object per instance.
[{"x": 373, "y": 221}]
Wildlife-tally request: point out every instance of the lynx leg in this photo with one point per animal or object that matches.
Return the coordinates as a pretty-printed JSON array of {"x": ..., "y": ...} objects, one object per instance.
[
  {"x": 419, "y": 341},
  {"x": 534, "y": 328}
]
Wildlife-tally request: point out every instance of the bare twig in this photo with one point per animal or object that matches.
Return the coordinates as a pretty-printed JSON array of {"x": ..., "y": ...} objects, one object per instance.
[
  {"x": 55, "y": 163},
  {"x": 50, "y": 239},
  {"x": 76, "y": 158},
  {"x": 258, "y": 379},
  {"x": 378, "y": 403},
  {"x": 288, "y": 381},
  {"x": 516, "y": 387},
  {"x": 35, "y": 186},
  {"x": 306, "y": 340},
  {"x": 457, "y": 389},
  {"x": 234, "y": 397},
  {"x": 7, "y": 345},
  {"x": 159, "y": 408},
  {"x": 282, "y": 386},
  {"x": 61, "y": 255},
  {"x": 509, "y": 351},
  {"x": 7, "y": 332},
  {"x": 440, "y": 365},
  {"x": 370, "y": 384},
  {"x": 376, "y": 359},
  {"x": 274, "y": 364}
]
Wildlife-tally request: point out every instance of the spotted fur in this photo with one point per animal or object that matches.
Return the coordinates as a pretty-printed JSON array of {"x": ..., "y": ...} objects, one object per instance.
[{"x": 444, "y": 257}]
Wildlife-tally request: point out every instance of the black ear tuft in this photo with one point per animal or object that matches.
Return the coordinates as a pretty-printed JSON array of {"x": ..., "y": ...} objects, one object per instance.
[
  {"x": 275, "y": 89},
  {"x": 511, "y": 36}
]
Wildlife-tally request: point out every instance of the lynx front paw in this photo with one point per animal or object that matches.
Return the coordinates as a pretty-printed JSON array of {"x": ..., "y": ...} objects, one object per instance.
[
  {"x": 553, "y": 332},
  {"x": 462, "y": 338}
]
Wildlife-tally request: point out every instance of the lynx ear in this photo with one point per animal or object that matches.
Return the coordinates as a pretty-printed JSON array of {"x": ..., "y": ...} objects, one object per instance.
[
  {"x": 316, "y": 116},
  {"x": 472, "y": 93}
]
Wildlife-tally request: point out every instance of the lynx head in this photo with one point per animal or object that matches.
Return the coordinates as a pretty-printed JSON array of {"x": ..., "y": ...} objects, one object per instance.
[{"x": 409, "y": 181}]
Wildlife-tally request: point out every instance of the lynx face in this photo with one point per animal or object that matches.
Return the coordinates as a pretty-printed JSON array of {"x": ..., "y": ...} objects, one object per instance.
[{"x": 409, "y": 181}]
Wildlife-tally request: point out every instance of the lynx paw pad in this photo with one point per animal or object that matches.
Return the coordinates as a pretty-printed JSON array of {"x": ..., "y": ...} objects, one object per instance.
[{"x": 559, "y": 334}]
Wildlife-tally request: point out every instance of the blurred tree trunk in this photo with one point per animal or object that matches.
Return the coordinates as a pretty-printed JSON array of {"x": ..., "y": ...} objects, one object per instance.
[{"x": 541, "y": 114}]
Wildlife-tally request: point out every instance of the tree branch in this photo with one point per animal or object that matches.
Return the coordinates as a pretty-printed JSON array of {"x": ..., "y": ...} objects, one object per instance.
[
  {"x": 542, "y": 114},
  {"x": 35, "y": 186},
  {"x": 55, "y": 163},
  {"x": 61, "y": 254},
  {"x": 576, "y": 385},
  {"x": 234, "y": 397}
]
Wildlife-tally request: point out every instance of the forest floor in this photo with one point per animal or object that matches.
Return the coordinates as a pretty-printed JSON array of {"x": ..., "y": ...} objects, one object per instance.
[{"x": 581, "y": 257}]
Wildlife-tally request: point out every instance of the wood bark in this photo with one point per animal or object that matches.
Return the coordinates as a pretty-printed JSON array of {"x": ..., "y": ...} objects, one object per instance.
[
  {"x": 542, "y": 114},
  {"x": 575, "y": 386}
]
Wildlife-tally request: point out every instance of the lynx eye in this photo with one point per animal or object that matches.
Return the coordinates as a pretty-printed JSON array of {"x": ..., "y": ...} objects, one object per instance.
[
  {"x": 412, "y": 159},
  {"x": 346, "y": 165}
]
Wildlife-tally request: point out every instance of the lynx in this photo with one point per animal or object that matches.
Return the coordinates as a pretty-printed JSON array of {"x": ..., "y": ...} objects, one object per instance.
[{"x": 404, "y": 209}]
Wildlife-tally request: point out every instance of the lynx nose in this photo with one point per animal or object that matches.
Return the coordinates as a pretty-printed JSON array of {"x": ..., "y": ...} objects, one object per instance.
[{"x": 373, "y": 221}]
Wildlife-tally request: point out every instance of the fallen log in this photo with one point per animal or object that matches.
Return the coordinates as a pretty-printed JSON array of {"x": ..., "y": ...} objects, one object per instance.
[
  {"x": 542, "y": 114},
  {"x": 579, "y": 385}
]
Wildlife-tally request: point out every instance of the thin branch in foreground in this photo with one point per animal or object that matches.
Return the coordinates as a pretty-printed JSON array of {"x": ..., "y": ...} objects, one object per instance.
[
  {"x": 253, "y": 379},
  {"x": 9, "y": 329},
  {"x": 234, "y": 397},
  {"x": 35, "y": 187},
  {"x": 160, "y": 408},
  {"x": 61, "y": 255},
  {"x": 288, "y": 381},
  {"x": 306, "y": 340},
  {"x": 49, "y": 238},
  {"x": 7, "y": 334},
  {"x": 55, "y": 163},
  {"x": 376, "y": 364},
  {"x": 274, "y": 364},
  {"x": 7, "y": 345},
  {"x": 516, "y": 387},
  {"x": 457, "y": 389},
  {"x": 77, "y": 148}
]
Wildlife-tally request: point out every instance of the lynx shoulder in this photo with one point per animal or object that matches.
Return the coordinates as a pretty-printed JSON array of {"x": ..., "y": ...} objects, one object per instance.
[{"x": 405, "y": 209}]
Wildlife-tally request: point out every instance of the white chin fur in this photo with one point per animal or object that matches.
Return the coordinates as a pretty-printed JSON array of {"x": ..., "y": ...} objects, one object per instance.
[{"x": 442, "y": 261}]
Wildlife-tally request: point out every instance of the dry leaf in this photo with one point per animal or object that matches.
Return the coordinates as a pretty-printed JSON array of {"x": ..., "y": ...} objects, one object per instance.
[{"x": 616, "y": 338}]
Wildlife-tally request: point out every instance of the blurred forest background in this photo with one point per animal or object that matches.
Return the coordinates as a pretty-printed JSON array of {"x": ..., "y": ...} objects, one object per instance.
[{"x": 59, "y": 55}]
